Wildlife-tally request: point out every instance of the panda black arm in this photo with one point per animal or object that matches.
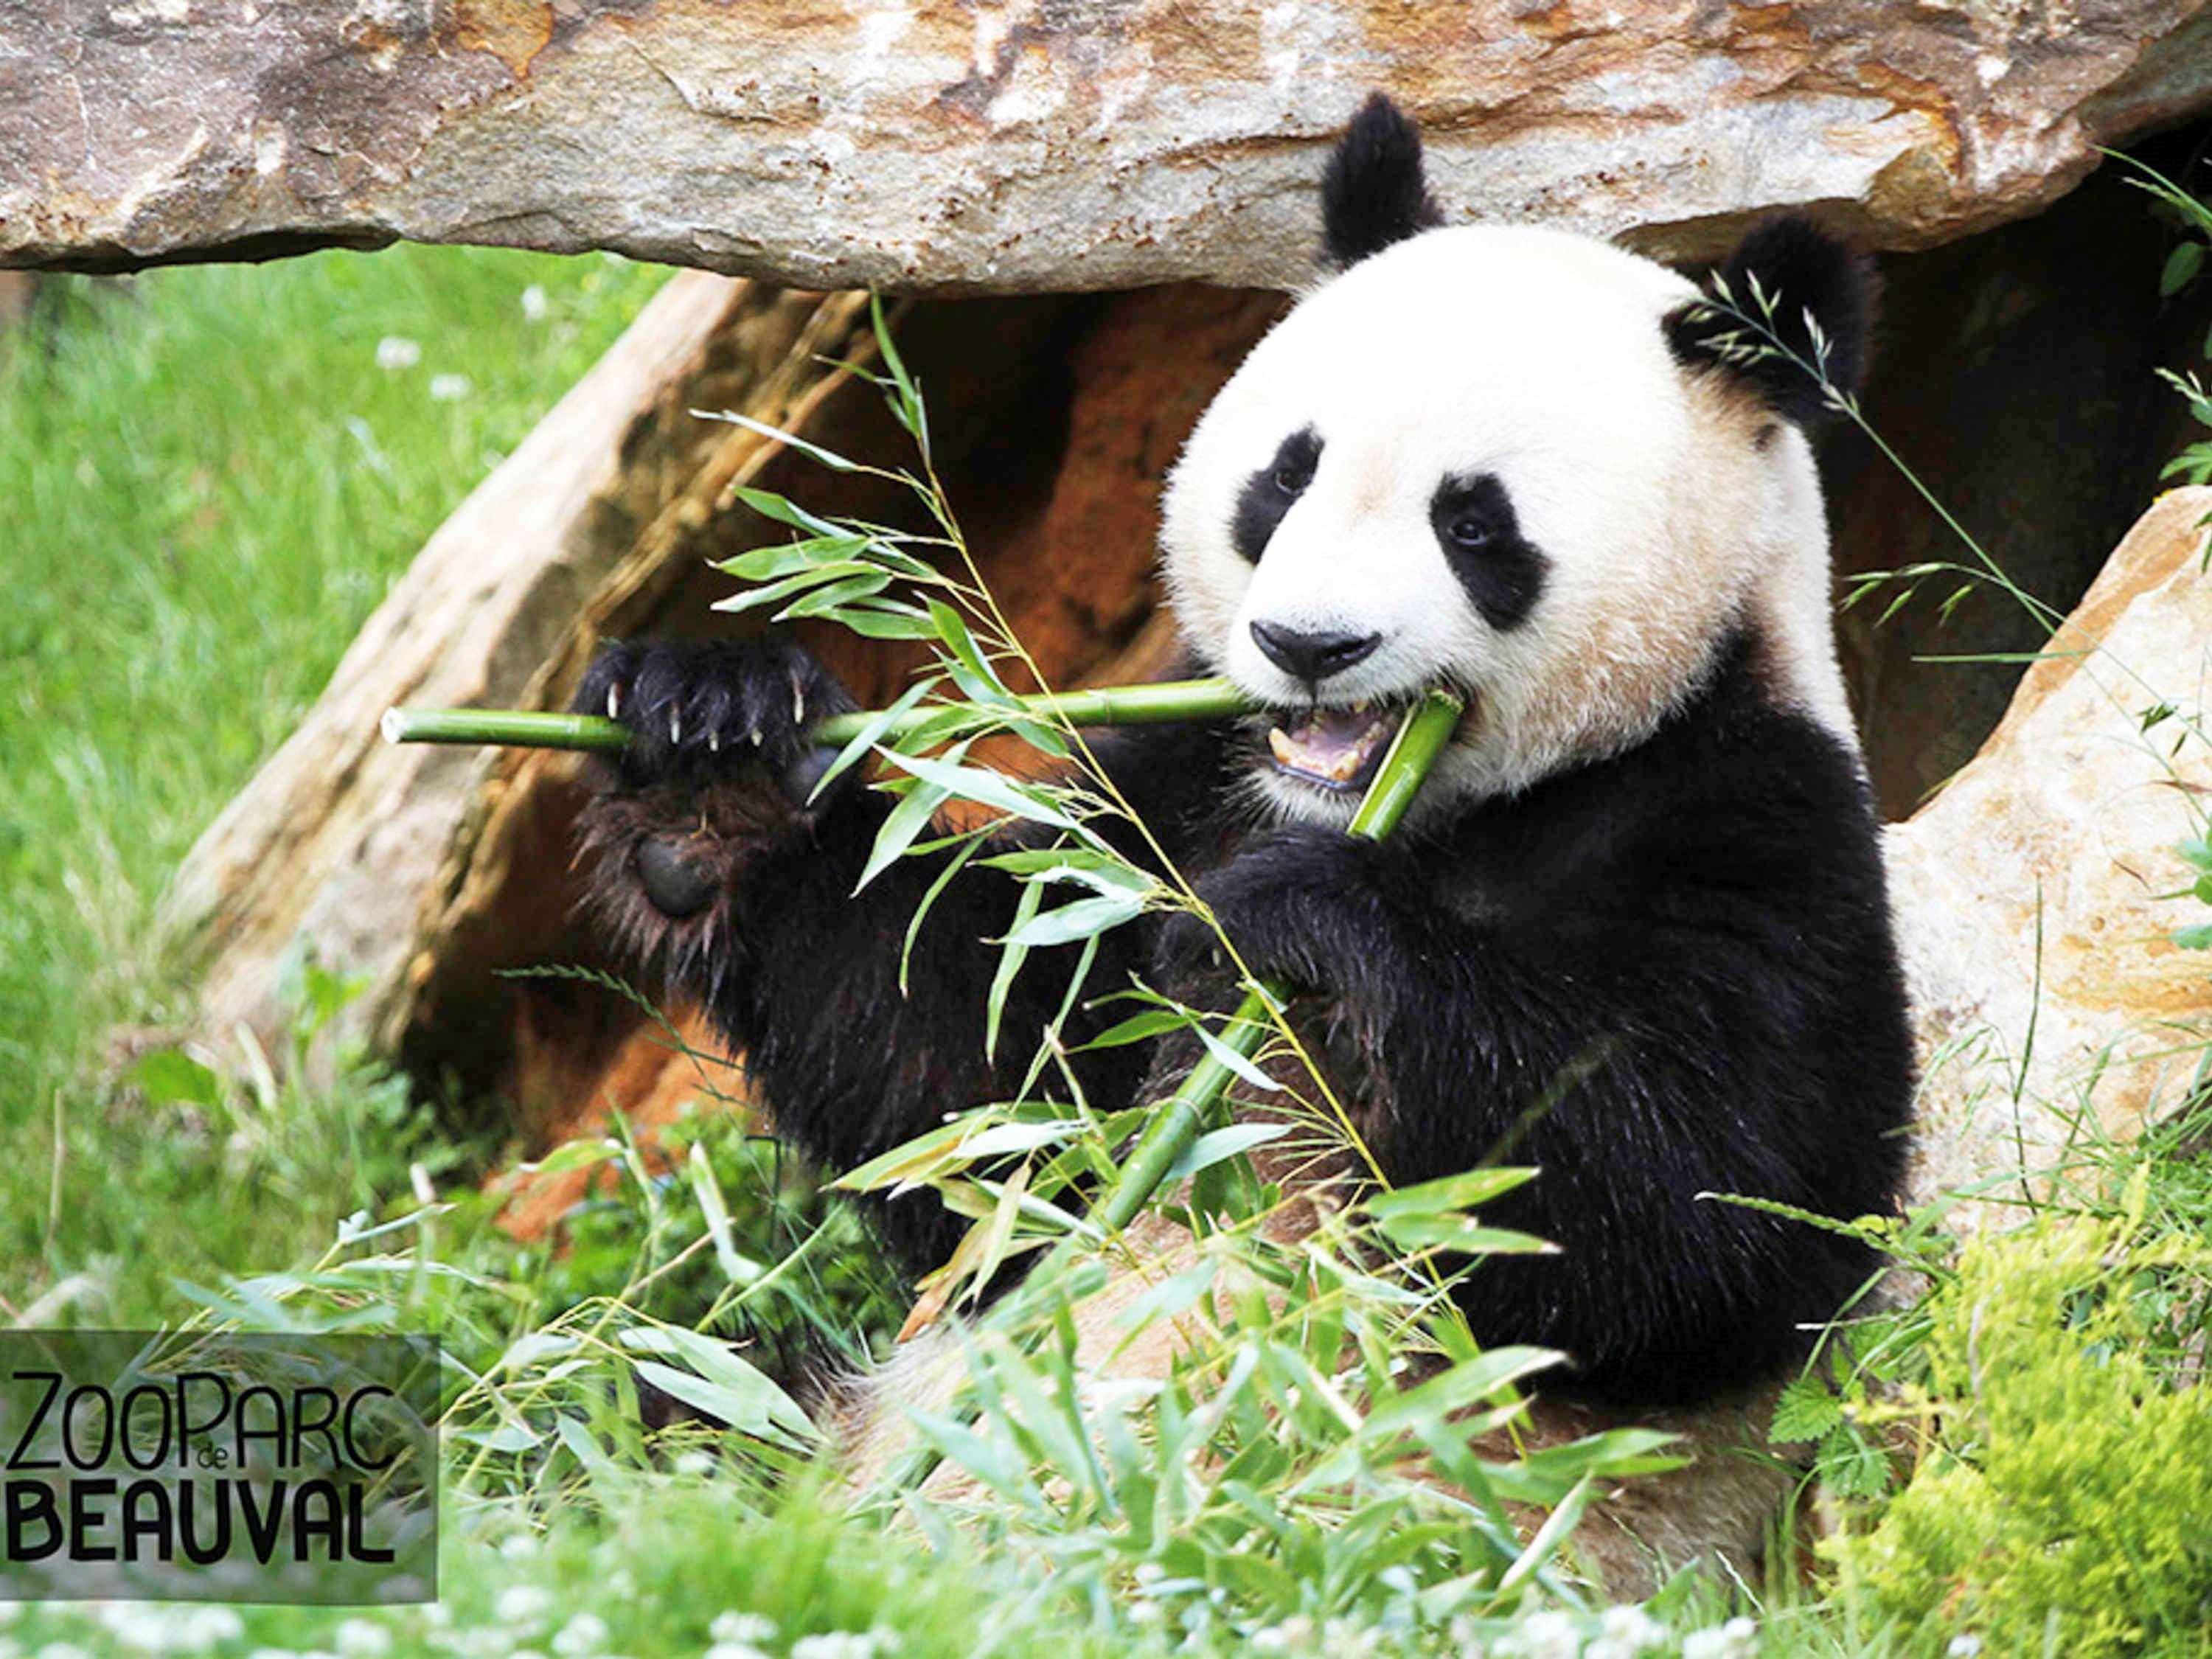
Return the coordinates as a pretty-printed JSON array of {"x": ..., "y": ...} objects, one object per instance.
[
  {"x": 1669, "y": 974},
  {"x": 716, "y": 875}
]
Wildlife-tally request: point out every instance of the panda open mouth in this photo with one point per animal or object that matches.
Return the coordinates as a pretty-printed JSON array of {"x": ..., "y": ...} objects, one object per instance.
[{"x": 1335, "y": 748}]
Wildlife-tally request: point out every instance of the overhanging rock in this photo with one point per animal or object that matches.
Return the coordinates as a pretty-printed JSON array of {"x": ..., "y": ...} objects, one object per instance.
[{"x": 1040, "y": 144}]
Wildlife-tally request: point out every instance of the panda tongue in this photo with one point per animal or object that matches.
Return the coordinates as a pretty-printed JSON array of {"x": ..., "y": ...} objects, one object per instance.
[{"x": 1338, "y": 747}]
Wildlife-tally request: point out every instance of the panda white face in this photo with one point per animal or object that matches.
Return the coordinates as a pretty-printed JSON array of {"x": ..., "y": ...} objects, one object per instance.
[{"x": 1473, "y": 459}]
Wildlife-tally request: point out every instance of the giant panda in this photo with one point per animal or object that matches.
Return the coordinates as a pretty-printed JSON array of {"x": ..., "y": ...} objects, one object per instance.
[{"x": 1635, "y": 932}]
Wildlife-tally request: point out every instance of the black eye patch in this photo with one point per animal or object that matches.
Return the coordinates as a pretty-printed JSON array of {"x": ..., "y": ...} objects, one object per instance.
[
  {"x": 1268, "y": 493},
  {"x": 1501, "y": 571}
]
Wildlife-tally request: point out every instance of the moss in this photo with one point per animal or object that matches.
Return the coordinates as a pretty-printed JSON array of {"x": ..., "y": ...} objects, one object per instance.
[{"x": 2064, "y": 1507}]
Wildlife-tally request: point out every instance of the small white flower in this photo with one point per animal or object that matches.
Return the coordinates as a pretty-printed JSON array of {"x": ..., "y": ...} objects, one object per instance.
[
  {"x": 518, "y": 1547},
  {"x": 1145, "y": 1612},
  {"x": 63, "y": 1650},
  {"x": 396, "y": 351},
  {"x": 1736, "y": 1640},
  {"x": 1964, "y": 1647},
  {"x": 1550, "y": 1634},
  {"x": 449, "y": 388},
  {"x": 587, "y": 1633},
  {"x": 694, "y": 1462},
  {"x": 272, "y": 1653},
  {"x": 361, "y": 1639},
  {"x": 534, "y": 304},
  {"x": 735, "y": 1651},
  {"x": 1634, "y": 1629},
  {"x": 1150, "y": 1572},
  {"x": 208, "y": 1627},
  {"x": 522, "y": 1604},
  {"x": 748, "y": 1627}
]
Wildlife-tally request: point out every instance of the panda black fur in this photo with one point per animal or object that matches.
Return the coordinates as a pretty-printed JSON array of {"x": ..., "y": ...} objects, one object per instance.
[{"x": 1636, "y": 932}]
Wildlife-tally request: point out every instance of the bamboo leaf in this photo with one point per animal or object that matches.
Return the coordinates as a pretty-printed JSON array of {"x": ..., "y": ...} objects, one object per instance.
[
  {"x": 816, "y": 576},
  {"x": 902, "y": 827},
  {"x": 877, "y": 724},
  {"x": 769, "y": 505},
  {"x": 2181, "y": 267},
  {"x": 1221, "y": 1144},
  {"x": 828, "y": 458},
  {"x": 1084, "y": 919},
  {"x": 888, "y": 622},
  {"x": 766, "y": 563},
  {"x": 1466, "y": 1191},
  {"x": 1235, "y": 1060},
  {"x": 1462, "y": 1235},
  {"x": 1139, "y": 1028},
  {"x": 1011, "y": 957},
  {"x": 824, "y": 600},
  {"x": 983, "y": 787},
  {"x": 737, "y": 1268}
]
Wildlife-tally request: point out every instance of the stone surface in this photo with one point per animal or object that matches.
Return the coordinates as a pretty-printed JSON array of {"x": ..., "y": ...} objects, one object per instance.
[
  {"x": 1038, "y": 144},
  {"x": 2036, "y": 894}
]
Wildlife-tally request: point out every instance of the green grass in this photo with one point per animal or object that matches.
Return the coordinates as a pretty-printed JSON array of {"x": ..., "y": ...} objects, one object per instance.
[{"x": 209, "y": 482}]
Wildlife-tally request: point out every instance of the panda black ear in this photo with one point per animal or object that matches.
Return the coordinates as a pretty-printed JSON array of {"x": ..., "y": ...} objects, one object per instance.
[
  {"x": 1813, "y": 294},
  {"x": 1373, "y": 193}
]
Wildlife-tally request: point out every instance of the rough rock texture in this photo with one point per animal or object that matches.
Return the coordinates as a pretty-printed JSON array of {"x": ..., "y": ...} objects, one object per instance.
[
  {"x": 1035, "y": 144},
  {"x": 2035, "y": 895}
]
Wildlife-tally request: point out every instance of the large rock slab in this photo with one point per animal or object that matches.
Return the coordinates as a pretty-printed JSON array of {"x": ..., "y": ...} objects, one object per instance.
[
  {"x": 2036, "y": 895},
  {"x": 1038, "y": 144}
]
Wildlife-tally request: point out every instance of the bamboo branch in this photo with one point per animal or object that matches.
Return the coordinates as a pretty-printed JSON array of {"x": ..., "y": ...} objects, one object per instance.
[
  {"x": 1174, "y": 1126},
  {"x": 1113, "y": 705}
]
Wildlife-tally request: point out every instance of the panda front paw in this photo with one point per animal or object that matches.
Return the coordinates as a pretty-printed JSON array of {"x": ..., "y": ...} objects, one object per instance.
[
  {"x": 718, "y": 772},
  {"x": 720, "y": 712},
  {"x": 1304, "y": 905}
]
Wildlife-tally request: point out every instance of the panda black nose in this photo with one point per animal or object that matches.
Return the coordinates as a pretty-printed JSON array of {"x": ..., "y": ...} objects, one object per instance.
[{"x": 1312, "y": 656}]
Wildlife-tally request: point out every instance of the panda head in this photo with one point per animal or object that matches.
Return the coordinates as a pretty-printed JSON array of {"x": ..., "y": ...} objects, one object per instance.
[{"x": 1523, "y": 464}]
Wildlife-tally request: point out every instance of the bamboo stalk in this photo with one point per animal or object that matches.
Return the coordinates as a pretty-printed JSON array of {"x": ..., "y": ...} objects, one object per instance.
[
  {"x": 1174, "y": 1126},
  {"x": 1111, "y": 705}
]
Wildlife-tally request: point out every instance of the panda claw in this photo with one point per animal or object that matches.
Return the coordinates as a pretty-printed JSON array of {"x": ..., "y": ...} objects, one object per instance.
[
  {"x": 713, "y": 742},
  {"x": 614, "y": 701},
  {"x": 797, "y": 700},
  {"x": 675, "y": 730}
]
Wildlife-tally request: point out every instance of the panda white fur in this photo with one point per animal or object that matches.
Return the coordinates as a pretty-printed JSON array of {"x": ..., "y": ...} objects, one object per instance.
[{"x": 1636, "y": 933}]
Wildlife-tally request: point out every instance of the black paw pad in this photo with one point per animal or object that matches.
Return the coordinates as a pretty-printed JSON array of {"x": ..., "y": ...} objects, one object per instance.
[{"x": 678, "y": 884}]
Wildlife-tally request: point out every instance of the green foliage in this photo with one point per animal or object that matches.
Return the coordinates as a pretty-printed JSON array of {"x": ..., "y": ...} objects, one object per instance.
[
  {"x": 2061, "y": 1508},
  {"x": 211, "y": 480},
  {"x": 2192, "y": 220}
]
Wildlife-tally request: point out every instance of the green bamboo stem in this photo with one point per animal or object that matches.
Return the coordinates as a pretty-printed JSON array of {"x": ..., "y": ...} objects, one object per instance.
[
  {"x": 1111, "y": 705},
  {"x": 1174, "y": 1126}
]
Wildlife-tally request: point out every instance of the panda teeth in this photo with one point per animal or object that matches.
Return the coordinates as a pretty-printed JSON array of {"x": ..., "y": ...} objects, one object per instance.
[{"x": 1280, "y": 745}]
